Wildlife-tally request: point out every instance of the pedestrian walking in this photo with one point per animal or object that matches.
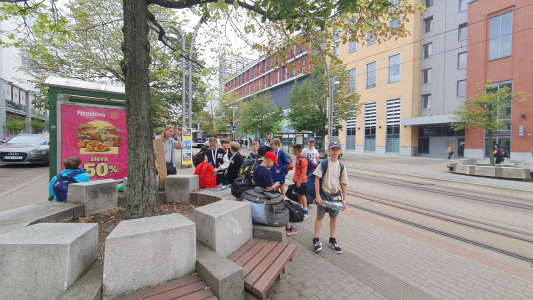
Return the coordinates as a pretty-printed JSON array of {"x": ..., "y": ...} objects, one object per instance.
[
  {"x": 331, "y": 183},
  {"x": 311, "y": 152},
  {"x": 498, "y": 154},
  {"x": 300, "y": 177},
  {"x": 450, "y": 151}
]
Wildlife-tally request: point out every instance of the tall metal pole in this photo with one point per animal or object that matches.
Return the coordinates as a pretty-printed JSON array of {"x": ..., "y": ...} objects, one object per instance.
[
  {"x": 190, "y": 69},
  {"x": 329, "y": 105},
  {"x": 182, "y": 76}
]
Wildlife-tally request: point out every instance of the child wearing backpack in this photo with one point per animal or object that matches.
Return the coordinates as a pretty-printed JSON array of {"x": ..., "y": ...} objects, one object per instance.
[
  {"x": 331, "y": 183},
  {"x": 255, "y": 149},
  {"x": 58, "y": 188},
  {"x": 300, "y": 177},
  {"x": 278, "y": 172}
]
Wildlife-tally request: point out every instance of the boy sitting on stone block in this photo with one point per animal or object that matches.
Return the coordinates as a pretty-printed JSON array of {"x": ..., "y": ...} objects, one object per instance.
[{"x": 58, "y": 188}]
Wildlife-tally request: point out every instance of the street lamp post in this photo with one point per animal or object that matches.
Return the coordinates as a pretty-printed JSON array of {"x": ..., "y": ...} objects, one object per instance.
[
  {"x": 190, "y": 68},
  {"x": 331, "y": 87},
  {"x": 233, "y": 119},
  {"x": 182, "y": 74}
]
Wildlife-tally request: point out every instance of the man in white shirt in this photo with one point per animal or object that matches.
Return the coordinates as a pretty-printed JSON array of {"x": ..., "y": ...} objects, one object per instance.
[{"x": 311, "y": 152}]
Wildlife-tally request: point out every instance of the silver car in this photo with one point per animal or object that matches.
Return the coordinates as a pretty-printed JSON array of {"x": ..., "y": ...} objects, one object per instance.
[{"x": 26, "y": 149}]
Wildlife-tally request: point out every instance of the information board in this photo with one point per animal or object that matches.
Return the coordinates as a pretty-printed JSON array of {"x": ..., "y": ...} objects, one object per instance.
[
  {"x": 186, "y": 153},
  {"x": 97, "y": 135}
]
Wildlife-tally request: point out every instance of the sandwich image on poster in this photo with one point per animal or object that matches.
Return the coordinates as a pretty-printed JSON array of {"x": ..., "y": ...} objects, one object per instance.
[{"x": 98, "y": 137}]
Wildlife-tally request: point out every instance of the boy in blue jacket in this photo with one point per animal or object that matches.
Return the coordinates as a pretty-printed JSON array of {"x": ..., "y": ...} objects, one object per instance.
[
  {"x": 72, "y": 165},
  {"x": 278, "y": 173}
]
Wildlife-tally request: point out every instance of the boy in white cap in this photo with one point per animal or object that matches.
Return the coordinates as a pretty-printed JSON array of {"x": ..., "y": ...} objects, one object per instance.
[{"x": 331, "y": 183}]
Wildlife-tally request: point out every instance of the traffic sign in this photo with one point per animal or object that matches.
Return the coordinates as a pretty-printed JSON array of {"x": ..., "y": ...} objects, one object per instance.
[{"x": 233, "y": 128}]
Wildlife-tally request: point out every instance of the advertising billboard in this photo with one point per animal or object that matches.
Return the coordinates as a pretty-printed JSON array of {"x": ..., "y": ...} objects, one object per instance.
[
  {"x": 97, "y": 135},
  {"x": 186, "y": 153}
]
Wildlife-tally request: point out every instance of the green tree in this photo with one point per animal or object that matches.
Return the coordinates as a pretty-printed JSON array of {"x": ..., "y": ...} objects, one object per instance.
[
  {"x": 309, "y": 101},
  {"x": 275, "y": 20},
  {"x": 260, "y": 115},
  {"x": 14, "y": 125},
  {"x": 483, "y": 111},
  {"x": 37, "y": 125}
]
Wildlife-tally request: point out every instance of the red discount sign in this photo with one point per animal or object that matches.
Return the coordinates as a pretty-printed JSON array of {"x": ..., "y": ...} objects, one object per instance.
[{"x": 97, "y": 136}]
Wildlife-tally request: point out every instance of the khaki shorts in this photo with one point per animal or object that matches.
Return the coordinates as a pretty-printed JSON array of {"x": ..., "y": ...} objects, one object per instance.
[{"x": 321, "y": 211}]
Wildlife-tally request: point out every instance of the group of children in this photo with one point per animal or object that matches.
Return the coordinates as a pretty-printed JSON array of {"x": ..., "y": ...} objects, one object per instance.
[
  {"x": 226, "y": 159},
  {"x": 331, "y": 181}
]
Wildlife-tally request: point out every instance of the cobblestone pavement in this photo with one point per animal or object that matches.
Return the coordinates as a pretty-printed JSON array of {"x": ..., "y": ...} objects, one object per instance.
[
  {"x": 14, "y": 175},
  {"x": 384, "y": 259}
]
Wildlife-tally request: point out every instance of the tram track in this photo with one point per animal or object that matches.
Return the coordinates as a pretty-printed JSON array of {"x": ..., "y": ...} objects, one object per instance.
[{"x": 509, "y": 241}]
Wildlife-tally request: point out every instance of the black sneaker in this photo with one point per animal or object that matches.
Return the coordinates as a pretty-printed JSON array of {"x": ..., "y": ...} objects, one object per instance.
[
  {"x": 333, "y": 244},
  {"x": 318, "y": 245}
]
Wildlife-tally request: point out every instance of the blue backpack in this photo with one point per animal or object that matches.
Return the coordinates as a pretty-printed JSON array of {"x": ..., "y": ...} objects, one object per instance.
[{"x": 61, "y": 185}]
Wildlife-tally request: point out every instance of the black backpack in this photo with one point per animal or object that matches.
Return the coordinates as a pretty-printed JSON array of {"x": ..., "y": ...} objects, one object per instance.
[
  {"x": 247, "y": 169},
  {"x": 295, "y": 212},
  {"x": 198, "y": 158},
  {"x": 60, "y": 187},
  {"x": 239, "y": 186},
  {"x": 504, "y": 153}
]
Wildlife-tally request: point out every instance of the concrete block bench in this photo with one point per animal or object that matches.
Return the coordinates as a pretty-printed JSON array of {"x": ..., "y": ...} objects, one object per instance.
[
  {"x": 465, "y": 169},
  {"x": 524, "y": 165},
  {"x": 97, "y": 196},
  {"x": 488, "y": 171},
  {"x": 178, "y": 188},
  {"x": 42, "y": 261},
  {"x": 46, "y": 212},
  {"x": 270, "y": 233},
  {"x": 207, "y": 196},
  {"x": 147, "y": 252},
  {"x": 224, "y": 277},
  {"x": 224, "y": 226},
  {"x": 262, "y": 262},
  {"x": 88, "y": 286},
  {"x": 467, "y": 162},
  {"x": 516, "y": 173}
]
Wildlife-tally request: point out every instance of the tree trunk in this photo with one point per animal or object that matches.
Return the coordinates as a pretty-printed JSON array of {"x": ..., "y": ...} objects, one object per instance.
[
  {"x": 142, "y": 187},
  {"x": 491, "y": 148}
]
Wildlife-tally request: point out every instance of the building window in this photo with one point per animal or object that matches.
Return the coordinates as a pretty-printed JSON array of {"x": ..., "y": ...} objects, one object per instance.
[
  {"x": 352, "y": 75},
  {"x": 501, "y": 29},
  {"x": 336, "y": 50},
  {"x": 394, "y": 68},
  {"x": 351, "y": 130},
  {"x": 428, "y": 3},
  {"x": 428, "y": 24},
  {"x": 371, "y": 38},
  {"x": 302, "y": 65},
  {"x": 259, "y": 68},
  {"x": 461, "y": 88},
  {"x": 463, "y": 5},
  {"x": 394, "y": 23},
  {"x": 393, "y": 125},
  {"x": 371, "y": 75},
  {"x": 426, "y": 101},
  {"x": 271, "y": 75},
  {"x": 277, "y": 75},
  {"x": 427, "y": 50},
  {"x": 352, "y": 47},
  {"x": 370, "y": 126},
  {"x": 285, "y": 73},
  {"x": 463, "y": 32},
  {"x": 426, "y": 76},
  {"x": 461, "y": 61}
]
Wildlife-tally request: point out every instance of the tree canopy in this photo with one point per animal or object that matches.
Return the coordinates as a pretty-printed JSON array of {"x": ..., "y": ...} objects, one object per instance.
[
  {"x": 260, "y": 115},
  {"x": 486, "y": 109},
  {"x": 309, "y": 101},
  {"x": 277, "y": 22}
]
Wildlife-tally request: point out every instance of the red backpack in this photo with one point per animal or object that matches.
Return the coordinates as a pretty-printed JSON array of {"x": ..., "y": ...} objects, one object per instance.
[{"x": 206, "y": 178}]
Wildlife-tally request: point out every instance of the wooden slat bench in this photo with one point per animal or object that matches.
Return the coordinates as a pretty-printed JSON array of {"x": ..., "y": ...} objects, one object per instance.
[
  {"x": 262, "y": 262},
  {"x": 188, "y": 288}
]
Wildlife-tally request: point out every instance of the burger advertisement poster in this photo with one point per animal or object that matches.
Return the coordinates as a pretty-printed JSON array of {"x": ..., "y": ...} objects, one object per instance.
[{"x": 98, "y": 137}]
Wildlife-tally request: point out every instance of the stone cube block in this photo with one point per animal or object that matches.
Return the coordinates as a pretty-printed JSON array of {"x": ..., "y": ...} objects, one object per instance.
[
  {"x": 97, "y": 196},
  {"x": 178, "y": 188},
  {"x": 488, "y": 171},
  {"x": 264, "y": 232},
  {"x": 224, "y": 277},
  {"x": 465, "y": 169},
  {"x": 47, "y": 212},
  {"x": 467, "y": 162},
  {"x": 224, "y": 226},
  {"x": 524, "y": 165},
  {"x": 516, "y": 173},
  {"x": 147, "y": 252},
  {"x": 42, "y": 261}
]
